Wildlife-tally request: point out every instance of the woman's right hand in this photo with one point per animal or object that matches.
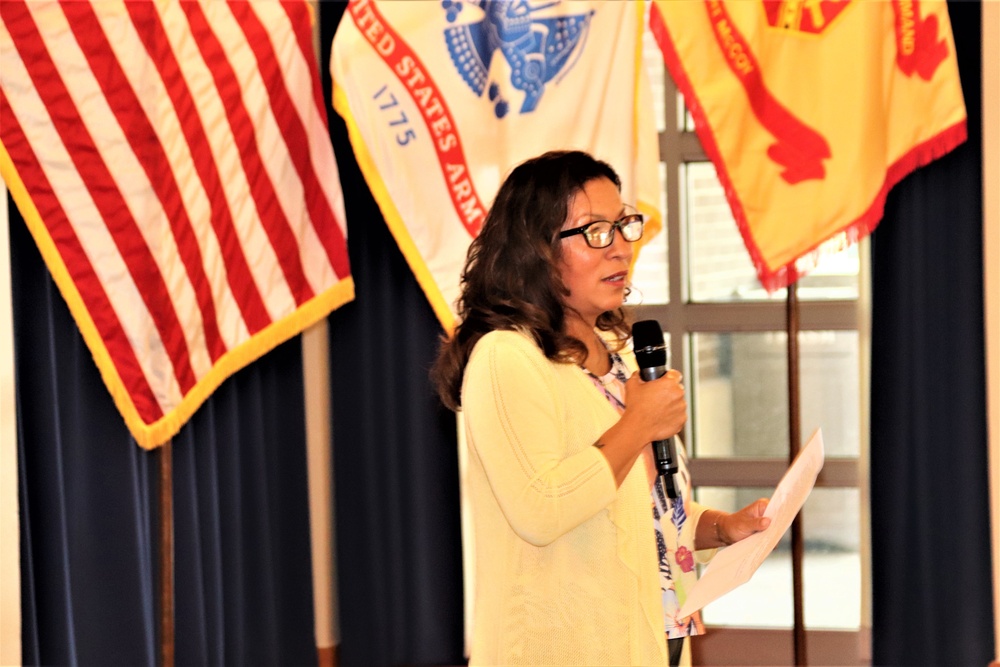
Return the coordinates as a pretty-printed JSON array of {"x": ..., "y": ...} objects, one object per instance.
[{"x": 655, "y": 410}]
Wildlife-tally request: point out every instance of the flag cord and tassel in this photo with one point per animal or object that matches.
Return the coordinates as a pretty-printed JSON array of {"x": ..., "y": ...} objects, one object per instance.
[{"x": 794, "y": 443}]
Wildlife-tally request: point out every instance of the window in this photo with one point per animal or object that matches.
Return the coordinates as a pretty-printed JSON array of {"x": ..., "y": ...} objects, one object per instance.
[{"x": 730, "y": 340}]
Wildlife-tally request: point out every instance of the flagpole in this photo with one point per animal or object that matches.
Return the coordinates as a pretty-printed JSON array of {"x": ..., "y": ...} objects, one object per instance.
[
  {"x": 166, "y": 555},
  {"x": 794, "y": 442}
]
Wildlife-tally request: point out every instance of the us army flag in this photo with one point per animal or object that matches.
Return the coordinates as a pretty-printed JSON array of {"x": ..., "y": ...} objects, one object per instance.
[
  {"x": 442, "y": 99},
  {"x": 812, "y": 111}
]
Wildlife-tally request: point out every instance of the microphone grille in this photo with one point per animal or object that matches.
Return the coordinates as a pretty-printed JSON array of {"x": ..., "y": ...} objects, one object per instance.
[{"x": 647, "y": 341}]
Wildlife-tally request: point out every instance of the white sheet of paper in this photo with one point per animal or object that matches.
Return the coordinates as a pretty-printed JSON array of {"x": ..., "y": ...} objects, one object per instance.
[{"x": 735, "y": 564}]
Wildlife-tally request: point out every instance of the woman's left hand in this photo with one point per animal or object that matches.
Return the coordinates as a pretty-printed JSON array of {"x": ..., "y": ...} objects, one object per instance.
[
  {"x": 720, "y": 529},
  {"x": 744, "y": 523}
]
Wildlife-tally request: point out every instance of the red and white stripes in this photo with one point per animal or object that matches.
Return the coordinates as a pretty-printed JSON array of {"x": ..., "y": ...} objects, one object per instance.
[{"x": 174, "y": 165}]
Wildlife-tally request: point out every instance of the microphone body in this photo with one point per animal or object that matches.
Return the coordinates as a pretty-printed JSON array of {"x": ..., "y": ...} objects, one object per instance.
[{"x": 651, "y": 355}]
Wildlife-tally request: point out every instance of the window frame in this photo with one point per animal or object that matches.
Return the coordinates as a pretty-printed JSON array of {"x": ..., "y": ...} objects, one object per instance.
[{"x": 681, "y": 318}]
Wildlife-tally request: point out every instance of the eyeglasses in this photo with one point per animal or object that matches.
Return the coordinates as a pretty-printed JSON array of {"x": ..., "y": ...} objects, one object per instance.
[{"x": 601, "y": 233}]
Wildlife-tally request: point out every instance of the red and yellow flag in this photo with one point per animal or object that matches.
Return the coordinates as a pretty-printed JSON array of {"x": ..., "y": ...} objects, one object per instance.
[
  {"x": 442, "y": 99},
  {"x": 811, "y": 110}
]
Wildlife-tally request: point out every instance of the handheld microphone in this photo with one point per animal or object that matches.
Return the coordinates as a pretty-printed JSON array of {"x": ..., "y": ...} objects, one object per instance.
[{"x": 651, "y": 355}]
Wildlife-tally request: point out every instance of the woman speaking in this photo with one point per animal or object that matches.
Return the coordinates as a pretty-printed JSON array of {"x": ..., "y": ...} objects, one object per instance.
[{"x": 580, "y": 557}]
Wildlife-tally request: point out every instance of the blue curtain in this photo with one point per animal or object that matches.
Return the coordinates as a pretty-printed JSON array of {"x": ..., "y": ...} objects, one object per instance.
[
  {"x": 243, "y": 573},
  {"x": 931, "y": 573},
  {"x": 89, "y": 505},
  {"x": 395, "y": 447},
  {"x": 86, "y": 491}
]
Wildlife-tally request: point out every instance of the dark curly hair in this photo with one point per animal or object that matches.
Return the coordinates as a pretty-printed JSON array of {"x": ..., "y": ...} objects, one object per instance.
[{"x": 511, "y": 279}]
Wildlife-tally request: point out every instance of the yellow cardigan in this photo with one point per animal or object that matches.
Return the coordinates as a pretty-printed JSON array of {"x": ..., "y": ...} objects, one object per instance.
[{"x": 566, "y": 564}]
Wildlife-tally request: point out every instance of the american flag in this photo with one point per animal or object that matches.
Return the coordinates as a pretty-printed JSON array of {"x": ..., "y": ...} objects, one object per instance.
[{"x": 173, "y": 163}]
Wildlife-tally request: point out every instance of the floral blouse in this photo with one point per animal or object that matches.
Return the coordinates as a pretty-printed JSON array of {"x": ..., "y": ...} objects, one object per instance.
[{"x": 612, "y": 385}]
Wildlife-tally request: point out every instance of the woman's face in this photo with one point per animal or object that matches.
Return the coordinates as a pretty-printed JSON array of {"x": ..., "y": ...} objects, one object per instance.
[{"x": 596, "y": 278}]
